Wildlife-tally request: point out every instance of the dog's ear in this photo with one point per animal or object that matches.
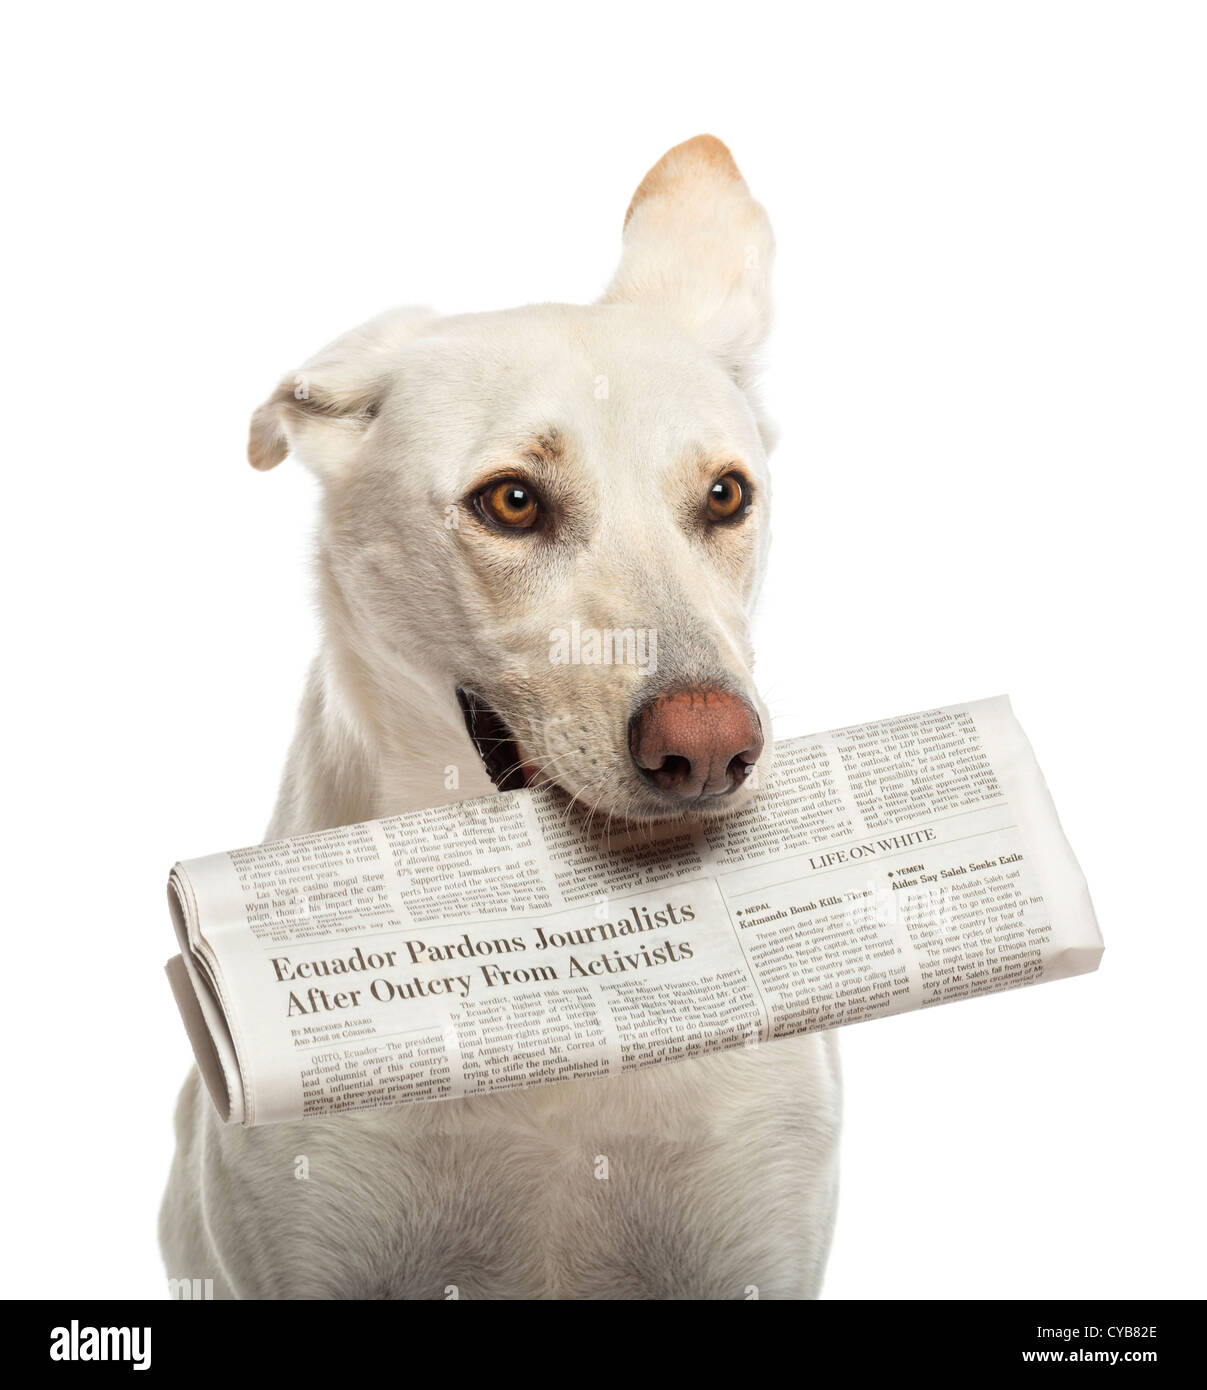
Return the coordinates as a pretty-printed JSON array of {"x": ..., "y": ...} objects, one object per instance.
[
  {"x": 697, "y": 245},
  {"x": 321, "y": 411}
]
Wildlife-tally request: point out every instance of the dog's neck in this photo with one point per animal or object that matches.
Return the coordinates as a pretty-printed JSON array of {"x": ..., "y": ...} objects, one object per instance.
[{"x": 373, "y": 743}]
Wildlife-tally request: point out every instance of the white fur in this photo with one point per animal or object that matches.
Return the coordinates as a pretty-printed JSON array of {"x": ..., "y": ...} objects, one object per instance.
[{"x": 722, "y": 1170}]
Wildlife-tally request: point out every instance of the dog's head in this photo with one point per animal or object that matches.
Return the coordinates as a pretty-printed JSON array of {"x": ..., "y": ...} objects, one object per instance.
[{"x": 553, "y": 521}]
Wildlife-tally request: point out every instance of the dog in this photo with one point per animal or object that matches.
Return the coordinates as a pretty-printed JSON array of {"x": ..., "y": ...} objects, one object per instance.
[{"x": 488, "y": 480}]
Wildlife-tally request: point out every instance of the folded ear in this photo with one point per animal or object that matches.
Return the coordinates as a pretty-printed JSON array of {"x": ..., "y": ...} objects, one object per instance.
[
  {"x": 697, "y": 245},
  {"x": 321, "y": 411}
]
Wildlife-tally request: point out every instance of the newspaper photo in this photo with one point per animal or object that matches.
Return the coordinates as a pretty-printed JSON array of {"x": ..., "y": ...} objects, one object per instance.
[{"x": 503, "y": 942}]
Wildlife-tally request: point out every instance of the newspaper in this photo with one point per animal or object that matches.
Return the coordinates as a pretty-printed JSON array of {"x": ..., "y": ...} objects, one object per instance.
[{"x": 502, "y": 942}]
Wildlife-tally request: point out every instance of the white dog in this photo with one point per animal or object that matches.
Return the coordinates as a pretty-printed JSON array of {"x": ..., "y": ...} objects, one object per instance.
[{"x": 488, "y": 479}]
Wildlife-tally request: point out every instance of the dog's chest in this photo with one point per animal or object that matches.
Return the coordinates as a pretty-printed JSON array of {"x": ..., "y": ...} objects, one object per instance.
[{"x": 703, "y": 1179}]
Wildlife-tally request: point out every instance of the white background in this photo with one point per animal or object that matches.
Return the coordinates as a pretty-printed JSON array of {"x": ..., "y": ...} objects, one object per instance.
[{"x": 988, "y": 371}]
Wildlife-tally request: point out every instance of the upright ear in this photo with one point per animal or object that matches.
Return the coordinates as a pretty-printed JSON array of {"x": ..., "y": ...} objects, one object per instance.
[
  {"x": 698, "y": 246},
  {"x": 321, "y": 411}
]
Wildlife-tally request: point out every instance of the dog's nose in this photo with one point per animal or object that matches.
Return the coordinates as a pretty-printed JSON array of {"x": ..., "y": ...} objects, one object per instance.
[{"x": 694, "y": 742}]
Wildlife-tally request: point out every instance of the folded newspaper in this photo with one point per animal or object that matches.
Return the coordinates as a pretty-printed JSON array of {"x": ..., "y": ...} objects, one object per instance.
[{"x": 498, "y": 943}]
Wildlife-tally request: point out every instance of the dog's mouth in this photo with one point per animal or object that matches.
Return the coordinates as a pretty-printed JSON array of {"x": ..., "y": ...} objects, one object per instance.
[
  {"x": 496, "y": 744},
  {"x": 506, "y": 764}
]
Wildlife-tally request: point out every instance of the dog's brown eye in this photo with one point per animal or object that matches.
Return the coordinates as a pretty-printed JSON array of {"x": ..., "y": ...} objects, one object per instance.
[
  {"x": 727, "y": 497},
  {"x": 510, "y": 503}
]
